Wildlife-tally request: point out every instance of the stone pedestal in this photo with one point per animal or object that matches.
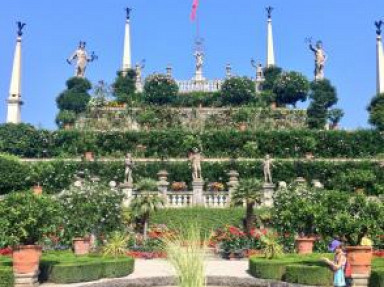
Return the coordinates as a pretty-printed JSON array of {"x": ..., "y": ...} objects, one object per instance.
[
  {"x": 268, "y": 190},
  {"x": 163, "y": 184},
  {"x": 360, "y": 280},
  {"x": 198, "y": 186},
  {"x": 26, "y": 280},
  {"x": 127, "y": 188}
]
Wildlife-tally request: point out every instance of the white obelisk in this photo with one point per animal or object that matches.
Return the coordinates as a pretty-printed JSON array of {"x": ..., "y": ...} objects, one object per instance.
[
  {"x": 14, "y": 100},
  {"x": 270, "y": 48},
  {"x": 380, "y": 65},
  {"x": 127, "y": 61}
]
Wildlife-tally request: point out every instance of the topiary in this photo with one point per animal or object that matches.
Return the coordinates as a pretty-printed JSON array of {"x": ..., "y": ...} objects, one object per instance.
[
  {"x": 160, "y": 89},
  {"x": 376, "y": 112},
  {"x": 291, "y": 87},
  {"x": 76, "y": 97},
  {"x": 124, "y": 86}
]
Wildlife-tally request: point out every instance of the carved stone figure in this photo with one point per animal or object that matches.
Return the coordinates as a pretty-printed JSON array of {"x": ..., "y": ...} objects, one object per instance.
[
  {"x": 82, "y": 59},
  {"x": 378, "y": 25},
  {"x": 20, "y": 27},
  {"x": 267, "y": 165},
  {"x": 195, "y": 158},
  {"x": 128, "y": 10},
  {"x": 139, "y": 70},
  {"x": 228, "y": 71},
  {"x": 128, "y": 169},
  {"x": 199, "y": 55},
  {"x": 320, "y": 59},
  {"x": 269, "y": 11}
]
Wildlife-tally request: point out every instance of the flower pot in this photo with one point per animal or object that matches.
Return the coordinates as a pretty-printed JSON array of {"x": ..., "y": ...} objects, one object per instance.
[
  {"x": 81, "y": 246},
  {"x": 304, "y": 245},
  {"x": 273, "y": 105},
  {"x": 360, "y": 258},
  {"x": 242, "y": 127},
  {"x": 309, "y": 155},
  {"x": 88, "y": 156},
  {"x": 38, "y": 190},
  {"x": 26, "y": 259},
  {"x": 68, "y": 126}
]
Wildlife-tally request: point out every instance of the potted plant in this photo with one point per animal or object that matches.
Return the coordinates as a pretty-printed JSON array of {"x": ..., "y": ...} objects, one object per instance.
[
  {"x": 89, "y": 146},
  {"x": 241, "y": 118},
  {"x": 179, "y": 186},
  {"x": 216, "y": 186},
  {"x": 25, "y": 219}
]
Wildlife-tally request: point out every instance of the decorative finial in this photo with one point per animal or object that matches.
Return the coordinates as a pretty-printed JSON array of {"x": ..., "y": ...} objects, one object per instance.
[
  {"x": 20, "y": 27},
  {"x": 378, "y": 25},
  {"x": 128, "y": 10},
  {"x": 269, "y": 11}
]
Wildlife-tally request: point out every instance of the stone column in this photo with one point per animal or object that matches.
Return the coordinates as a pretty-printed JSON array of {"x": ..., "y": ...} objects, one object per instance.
[
  {"x": 232, "y": 183},
  {"x": 198, "y": 198},
  {"x": 163, "y": 184},
  {"x": 127, "y": 188},
  {"x": 270, "y": 47},
  {"x": 379, "y": 65},
  {"x": 26, "y": 280},
  {"x": 127, "y": 62},
  {"x": 268, "y": 190},
  {"x": 360, "y": 280},
  {"x": 14, "y": 100}
]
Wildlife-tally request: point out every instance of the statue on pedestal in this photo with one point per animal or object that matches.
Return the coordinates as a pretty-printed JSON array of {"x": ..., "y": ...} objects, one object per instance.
[
  {"x": 82, "y": 59},
  {"x": 139, "y": 69},
  {"x": 269, "y": 10},
  {"x": 228, "y": 71},
  {"x": 267, "y": 165},
  {"x": 320, "y": 59},
  {"x": 195, "y": 158},
  {"x": 20, "y": 27},
  {"x": 128, "y": 10},
  {"x": 378, "y": 25},
  {"x": 128, "y": 169},
  {"x": 199, "y": 55}
]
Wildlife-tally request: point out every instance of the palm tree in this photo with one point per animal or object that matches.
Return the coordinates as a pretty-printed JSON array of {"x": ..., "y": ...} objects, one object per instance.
[
  {"x": 249, "y": 191},
  {"x": 142, "y": 207}
]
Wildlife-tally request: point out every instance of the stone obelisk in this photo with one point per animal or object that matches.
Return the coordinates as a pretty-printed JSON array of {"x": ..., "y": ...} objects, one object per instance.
[
  {"x": 380, "y": 59},
  {"x": 14, "y": 100},
  {"x": 270, "y": 47},
  {"x": 127, "y": 61}
]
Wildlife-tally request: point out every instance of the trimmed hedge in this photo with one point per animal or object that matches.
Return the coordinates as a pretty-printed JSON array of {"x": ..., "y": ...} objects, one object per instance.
[
  {"x": 267, "y": 269},
  {"x": 309, "y": 275},
  {"x": 24, "y": 140},
  {"x": 55, "y": 176},
  {"x": 377, "y": 278},
  {"x": 209, "y": 219},
  {"x": 6, "y": 276},
  {"x": 84, "y": 269}
]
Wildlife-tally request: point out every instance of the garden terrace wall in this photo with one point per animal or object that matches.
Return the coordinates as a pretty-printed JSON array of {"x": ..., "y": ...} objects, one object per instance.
[
  {"x": 25, "y": 141},
  {"x": 57, "y": 175}
]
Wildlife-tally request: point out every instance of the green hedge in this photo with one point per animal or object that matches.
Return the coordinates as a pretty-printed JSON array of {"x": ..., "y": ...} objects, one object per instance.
[
  {"x": 267, "y": 269},
  {"x": 309, "y": 275},
  {"x": 6, "y": 276},
  {"x": 84, "y": 269},
  {"x": 57, "y": 175},
  {"x": 25, "y": 141},
  {"x": 377, "y": 278},
  {"x": 209, "y": 219}
]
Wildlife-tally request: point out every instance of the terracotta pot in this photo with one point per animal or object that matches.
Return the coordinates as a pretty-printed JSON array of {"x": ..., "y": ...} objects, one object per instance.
[
  {"x": 81, "y": 246},
  {"x": 273, "y": 105},
  {"x": 242, "y": 127},
  {"x": 304, "y": 245},
  {"x": 88, "y": 155},
  {"x": 309, "y": 155},
  {"x": 68, "y": 126},
  {"x": 26, "y": 259},
  {"x": 37, "y": 189},
  {"x": 360, "y": 258}
]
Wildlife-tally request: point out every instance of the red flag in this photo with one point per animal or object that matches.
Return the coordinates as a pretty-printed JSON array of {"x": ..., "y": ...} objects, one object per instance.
[{"x": 194, "y": 9}]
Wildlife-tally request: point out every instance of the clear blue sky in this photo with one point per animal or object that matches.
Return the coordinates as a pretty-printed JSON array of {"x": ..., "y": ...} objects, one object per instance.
[{"x": 162, "y": 33}]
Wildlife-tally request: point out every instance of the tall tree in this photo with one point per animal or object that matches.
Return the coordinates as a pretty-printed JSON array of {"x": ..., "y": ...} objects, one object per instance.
[
  {"x": 376, "y": 112},
  {"x": 291, "y": 87},
  {"x": 125, "y": 86}
]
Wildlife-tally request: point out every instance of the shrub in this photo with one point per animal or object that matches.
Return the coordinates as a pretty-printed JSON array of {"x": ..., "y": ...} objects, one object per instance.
[
  {"x": 290, "y": 88},
  {"x": 65, "y": 117},
  {"x": 125, "y": 86},
  {"x": 376, "y": 112},
  {"x": 271, "y": 74},
  {"x": 195, "y": 99},
  {"x": 6, "y": 276},
  {"x": 265, "y": 269},
  {"x": 308, "y": 275},
  {"x": 377, "y": 278},
  {"x": 160, "y": 89},
  {"x": 237, "y": 91},
  {"x": 13, "y": 174},
  {"x": 75, "y": 98}
]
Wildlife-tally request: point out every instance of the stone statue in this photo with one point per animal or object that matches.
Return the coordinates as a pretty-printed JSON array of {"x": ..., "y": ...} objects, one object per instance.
[
  {"x": 228, "y": 71},
  {"x": 269, "y": 11},
  {"x": 169, "y": 71},
  {"x": 128, "y": 10},
  {"x": 320, "y": 59},
  {"x": 199, "y": 55},
  {"x": 267, "y": 165},
  {"x": 20, "y": 27},
  {"x": 128, "y": 169},
  {"x": 139, "y": 69},
  {"x": 195, "y": 158},
  {"x": 259, "y": 70},
  {"x": 82, "y": 59},
  {"x": 378, "y": 25}
]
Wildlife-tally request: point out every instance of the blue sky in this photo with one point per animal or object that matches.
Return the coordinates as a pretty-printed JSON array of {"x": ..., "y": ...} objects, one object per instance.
[{"x": 162, "y": 33}]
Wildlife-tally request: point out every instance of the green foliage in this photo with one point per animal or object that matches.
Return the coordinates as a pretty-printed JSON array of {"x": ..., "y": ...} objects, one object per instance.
[
  {"x": 238, "y": 91},
  {"x": 195, "y": 99},
  {"x": 146, "y": 184},
  {"x": 317, "y": 116},
  {"x": 335, "y": 116},
  {"x": 376, "y": 112},
  {"x": 12, "y": 174},
  {"x": 64, "y": 269},
  {"x": 271, "y": 74},
  {"x": 290, "y": 88},
  {"x": 76, "y": 97},
  {"x": 65, "y": 117},
  {"x": 25, "y": 218},
  {"x": 377, "y": 278},
  {"x": 117, "y": 243},
  {"x": 6, "y": 276},
  {"x": 271, "y": 246},
  {"x": 266, "y": 269},
  {"x": 324, "y": 93},
  {"x": 125, "y": 86},
  {"x": 90, "y": 208},
  {"x": 309, "y": 275},
  {"x": 160, "y": 89}
]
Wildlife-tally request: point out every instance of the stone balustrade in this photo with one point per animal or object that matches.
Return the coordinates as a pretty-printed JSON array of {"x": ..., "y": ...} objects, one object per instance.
[{"x": 203, "y": 86}]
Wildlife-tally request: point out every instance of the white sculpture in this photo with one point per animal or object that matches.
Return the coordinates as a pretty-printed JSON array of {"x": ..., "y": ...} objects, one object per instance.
[
  {"x": 128, "y": 169},
  {"x": 195, "y": 158},
  {"x": 320, "y": 59},
  {"x": 267, "y": 165},
  {"x": 81, "y": 57}
]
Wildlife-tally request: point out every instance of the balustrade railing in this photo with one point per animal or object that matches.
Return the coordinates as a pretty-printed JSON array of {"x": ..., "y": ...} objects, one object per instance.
[{"x": 204, "y": 86}]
